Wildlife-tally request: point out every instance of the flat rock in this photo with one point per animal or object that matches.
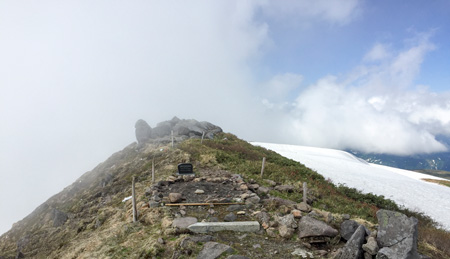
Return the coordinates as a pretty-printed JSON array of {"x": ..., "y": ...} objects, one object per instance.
[
  {"x": 198, "y": 191},
  {"x": 310, "y": 227},
  {"x": 230, "y": 217},
  {"x": 303, "y": 207},
  {"x": 175, "y": 197},
  {"x": 238, "y": 226},
  {"x": 212, "y": 250},
  {"x": 184, "y": 223}
]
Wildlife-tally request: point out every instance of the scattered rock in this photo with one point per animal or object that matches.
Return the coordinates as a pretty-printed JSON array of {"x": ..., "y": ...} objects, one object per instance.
[
  {"x": 288, "y": 221},
  {"x": 175, "y": 197},
  {"x": 353, "y": 247},
  {"x": 310, "y": 227},
  {"x": 263, "y": 190},
  {"x": 348, "y": 227},
  {"x": 198, "y": 191},
  {"x": 235, "y": 208},
  {"x": 230, "y": 217},
  {"x": 302, "y": 253},
  {"x": 263, "y": 217},
  {"x": 161, "y": 241},
  {"x": 240, "y": 212},
  {"x": 257, "y": 246},
  {"x": 285, "y": 231},
  {"x": 237, "y": 257},
  {"x": 212, "y": 250},
  {"x": 270, "y": 182},
  {"x": 296, "y": 213},
  {"x": 252, "y": 200},
  {"x": 345, "y": 216},
  {"x": 271, "y": 232},
  {"x": 276, "y": 202},
  {"x": 371, "y": 247},
  {"x": 285, "y": 188},
  {"x": 303, "y": 207}
]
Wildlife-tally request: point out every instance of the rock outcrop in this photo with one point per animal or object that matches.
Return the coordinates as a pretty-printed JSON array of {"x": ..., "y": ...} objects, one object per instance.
[
  {"x": 182, "y": 129},
  {"x": 143, "y": 131},
  {"x": 397, "y": 235}
]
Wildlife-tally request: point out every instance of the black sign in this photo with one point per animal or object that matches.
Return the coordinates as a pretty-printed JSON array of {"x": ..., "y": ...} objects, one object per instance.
[{"x": 185, "y": 168}]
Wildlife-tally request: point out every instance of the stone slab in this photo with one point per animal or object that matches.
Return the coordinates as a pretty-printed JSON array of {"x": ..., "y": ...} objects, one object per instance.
[{"x": 238, "y": 226}]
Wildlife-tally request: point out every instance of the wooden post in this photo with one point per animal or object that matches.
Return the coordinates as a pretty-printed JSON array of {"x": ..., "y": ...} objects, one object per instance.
[
  {"x": 262, "y": 167},
  {"x": 172, "y": 138},
  {"x": 305, "y": 191},
  {"x": 153, "y": 170},
  {"x": 133, "y": 197},
  {"x": 203, "y": 135}
]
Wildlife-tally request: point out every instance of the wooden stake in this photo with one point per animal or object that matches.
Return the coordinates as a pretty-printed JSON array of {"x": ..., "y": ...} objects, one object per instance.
[
  {"x": 172, "y": 138},
  {"x": 153, "y": 170},
  {"x": 262, "y": 167},
  {"x": 203, "y": 135},
  {"x": 203, "y": 204},
  {"x": 133, "y": 197},
  {"x": 305, "y": 191}
]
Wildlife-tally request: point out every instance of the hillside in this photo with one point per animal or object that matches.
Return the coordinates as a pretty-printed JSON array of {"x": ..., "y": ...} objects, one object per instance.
[
  {"x": 407, "y": 188},
  {"x": 90, "y": 219}
]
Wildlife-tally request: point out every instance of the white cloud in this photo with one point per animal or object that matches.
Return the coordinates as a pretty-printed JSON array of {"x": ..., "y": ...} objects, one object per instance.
[
  {"x": 281, "y": 85},
  {"x": 377, "y": 53},
  {"x": 376, "y": 108}
]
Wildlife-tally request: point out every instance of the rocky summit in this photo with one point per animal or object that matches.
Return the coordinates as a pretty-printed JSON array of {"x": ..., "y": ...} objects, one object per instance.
[
  {"x": 179, "y": 129},
  {"x": 224, "y": 208}
]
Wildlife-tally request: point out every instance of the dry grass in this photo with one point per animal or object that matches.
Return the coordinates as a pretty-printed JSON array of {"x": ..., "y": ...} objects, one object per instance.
[
  {"x": 441, "y": 182},
  {"x": 434, "y": 242}
]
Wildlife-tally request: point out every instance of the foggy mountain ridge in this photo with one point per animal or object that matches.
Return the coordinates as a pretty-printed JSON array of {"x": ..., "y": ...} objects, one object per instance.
[{"x": 89, "y": 220}]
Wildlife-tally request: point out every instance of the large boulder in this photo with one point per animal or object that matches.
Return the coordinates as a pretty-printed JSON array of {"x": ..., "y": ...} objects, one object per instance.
[
  {"x": 353, "y": 247},
  {"x": 58, "y": 217},
  {"x": 397, "y": 232},
  {"x": 348, "y": 227},
  {"x": 143, "y": 131},
  {"x": 310, "y": 227}
]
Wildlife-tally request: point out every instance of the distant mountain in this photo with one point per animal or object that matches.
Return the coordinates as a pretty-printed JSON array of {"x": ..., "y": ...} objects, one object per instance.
[{"x": 435, "y": 161}]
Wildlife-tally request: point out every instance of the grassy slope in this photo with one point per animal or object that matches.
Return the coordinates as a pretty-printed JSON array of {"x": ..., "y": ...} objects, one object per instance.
[{"x": 100, "y": 224}]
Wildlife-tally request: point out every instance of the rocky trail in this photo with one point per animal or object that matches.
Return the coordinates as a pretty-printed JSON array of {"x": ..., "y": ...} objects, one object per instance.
[{"x": 286, "y": 229}]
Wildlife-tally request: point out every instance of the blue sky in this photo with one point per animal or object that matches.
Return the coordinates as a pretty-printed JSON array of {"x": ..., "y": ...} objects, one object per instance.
[
  {"x": 334, "y": 48},
  {"x": 76, "y": 75}
]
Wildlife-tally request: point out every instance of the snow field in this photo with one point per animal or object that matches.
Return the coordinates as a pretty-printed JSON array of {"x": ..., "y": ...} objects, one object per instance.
[{"x": 402, "y": 186}]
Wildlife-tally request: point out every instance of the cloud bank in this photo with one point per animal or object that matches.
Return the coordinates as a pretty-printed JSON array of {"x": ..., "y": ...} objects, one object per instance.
[{"x": 374, "y": 108}]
